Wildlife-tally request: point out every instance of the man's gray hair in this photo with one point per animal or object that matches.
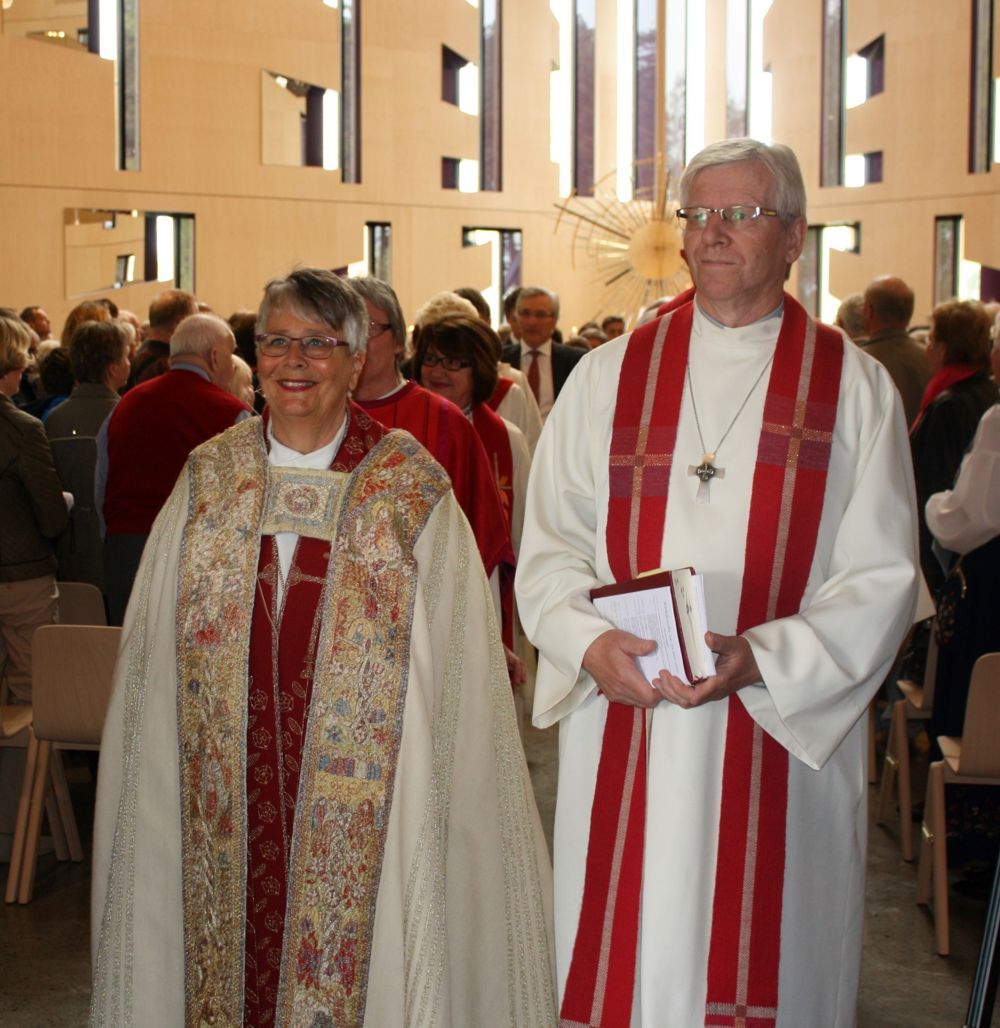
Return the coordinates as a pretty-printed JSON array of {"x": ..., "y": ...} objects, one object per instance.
[
  {"x": 789, "y": 197},
  {"x": 197, "y": 334},
  {"x": 527, "y": 292},
  {"x": 380, "y": 294},
  {"x": 315, "y": 294}
]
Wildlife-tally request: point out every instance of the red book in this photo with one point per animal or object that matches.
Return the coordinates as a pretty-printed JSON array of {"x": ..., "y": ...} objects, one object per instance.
[{"x": 668, "y": 607}]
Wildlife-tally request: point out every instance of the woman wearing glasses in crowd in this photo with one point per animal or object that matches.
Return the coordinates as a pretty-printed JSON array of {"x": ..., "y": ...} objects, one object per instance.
[
  {"x": 456, "y": 357},
  {"x": 311, "y": 749}
]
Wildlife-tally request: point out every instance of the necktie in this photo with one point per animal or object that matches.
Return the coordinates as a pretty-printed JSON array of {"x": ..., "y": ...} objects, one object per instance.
[{"x": 533, "y": 373}]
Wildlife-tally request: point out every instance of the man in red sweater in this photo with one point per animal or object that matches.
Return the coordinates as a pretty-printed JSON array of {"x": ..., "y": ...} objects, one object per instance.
[{"x": 144, "y": 443}]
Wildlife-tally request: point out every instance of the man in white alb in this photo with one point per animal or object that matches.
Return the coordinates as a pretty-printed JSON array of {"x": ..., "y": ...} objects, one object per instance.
[{"x": 709, "y": 840}]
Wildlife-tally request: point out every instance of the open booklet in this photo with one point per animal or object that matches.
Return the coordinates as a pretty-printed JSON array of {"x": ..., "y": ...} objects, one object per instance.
[{"x": 668, "y": 607}]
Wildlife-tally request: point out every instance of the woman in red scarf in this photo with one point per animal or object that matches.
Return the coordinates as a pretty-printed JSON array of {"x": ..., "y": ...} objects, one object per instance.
[{"x": 958, "y": 394}]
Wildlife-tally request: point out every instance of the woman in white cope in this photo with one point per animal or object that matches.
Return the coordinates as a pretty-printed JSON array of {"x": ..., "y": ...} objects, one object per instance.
[
  {"x": 313, "y": 805},
  {"x": 710, "y": 840}
]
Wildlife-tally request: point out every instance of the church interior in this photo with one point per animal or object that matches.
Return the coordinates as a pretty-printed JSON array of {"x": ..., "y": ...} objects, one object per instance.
[{"x": 208, "y": 146}]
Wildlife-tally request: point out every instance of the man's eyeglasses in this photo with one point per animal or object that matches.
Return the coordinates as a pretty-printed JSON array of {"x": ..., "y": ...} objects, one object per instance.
[
  {"x": 738, "y": 216},
  {"x": 432, "y": 360},
  {"x": 315, "y": 347},
  {"x": 376, "y": 328}
]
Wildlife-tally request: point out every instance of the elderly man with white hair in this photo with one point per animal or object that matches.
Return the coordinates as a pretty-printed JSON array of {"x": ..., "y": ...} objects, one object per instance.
[
  {"x": 143, "y": 445},
  {"x": 710, "y": 838}
]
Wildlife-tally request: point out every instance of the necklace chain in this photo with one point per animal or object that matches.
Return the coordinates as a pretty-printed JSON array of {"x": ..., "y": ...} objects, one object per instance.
[{"x": 710, "y": 455}]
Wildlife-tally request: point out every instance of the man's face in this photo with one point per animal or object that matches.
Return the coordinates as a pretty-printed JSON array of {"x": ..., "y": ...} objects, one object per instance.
[
  {"x": 739, "y": 273},
  {"x": 535, "y": 319},
  {"x": 613, "y": 328},
  {"x": 39, "y": 321}
]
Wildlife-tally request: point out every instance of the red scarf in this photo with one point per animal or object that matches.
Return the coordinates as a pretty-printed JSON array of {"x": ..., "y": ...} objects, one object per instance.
[
  {"x": 789, "y": 483},
  {"x": 944, "y": 379}
]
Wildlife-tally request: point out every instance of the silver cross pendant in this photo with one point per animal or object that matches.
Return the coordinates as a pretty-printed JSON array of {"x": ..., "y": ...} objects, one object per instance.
[{"x": 705, "y": 471}]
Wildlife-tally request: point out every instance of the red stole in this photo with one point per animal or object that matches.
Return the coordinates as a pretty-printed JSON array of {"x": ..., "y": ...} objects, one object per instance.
[
  {"x": 786, "y": 504},
  {"x": 279, "y": 695},
  {"x": 502, "y": 389}
]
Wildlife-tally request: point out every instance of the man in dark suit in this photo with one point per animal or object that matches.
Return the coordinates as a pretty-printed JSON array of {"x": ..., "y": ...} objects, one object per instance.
[{"x": 546, "y": 364}]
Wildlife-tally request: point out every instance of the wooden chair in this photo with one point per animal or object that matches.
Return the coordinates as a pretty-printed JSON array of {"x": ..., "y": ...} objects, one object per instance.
[
  {"x": 15, "y": 730},
  {"x": 72, "y": 667},
  {"x": 917, "y": 705},
  {"x": 972, "y": 760},
  {"x": 81, "y": 603}
]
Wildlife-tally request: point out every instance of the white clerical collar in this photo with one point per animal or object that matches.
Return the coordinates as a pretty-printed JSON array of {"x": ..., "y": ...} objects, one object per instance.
[
  {"x": 763, "y": 330},
  {"x": 282, "y": 456},
  {"x": 545, "y": 348},
  {"x": 777, "y": 313}
]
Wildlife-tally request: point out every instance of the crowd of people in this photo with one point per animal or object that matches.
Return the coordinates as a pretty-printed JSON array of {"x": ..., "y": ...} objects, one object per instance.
[{"x": 312, "y": 734}]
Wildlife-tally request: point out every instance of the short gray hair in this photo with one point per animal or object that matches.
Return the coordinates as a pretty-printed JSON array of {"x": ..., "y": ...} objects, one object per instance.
[
  {"x": 197, "y": 334},
  {"x": 315, "y": 293},
  {"x": 527, "y": 292},
  {"x": 380, "y": 294},
  {"x": 789, "y": 196}
]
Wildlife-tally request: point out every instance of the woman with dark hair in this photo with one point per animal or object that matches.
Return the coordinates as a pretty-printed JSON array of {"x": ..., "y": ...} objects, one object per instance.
[
  {"x": 959, "y": 393},
  {"x": 455, "y": 357}
]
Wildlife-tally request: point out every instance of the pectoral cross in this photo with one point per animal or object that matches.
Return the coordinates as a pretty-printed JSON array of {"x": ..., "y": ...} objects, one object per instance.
[{"x": 706, "y": 471}]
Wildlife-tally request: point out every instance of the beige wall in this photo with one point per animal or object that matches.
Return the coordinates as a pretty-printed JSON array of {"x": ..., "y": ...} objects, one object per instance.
[
  {"x": 920, "y": 123},
  {"x": 201, "y": 97},
  {"x": 201, "y": 124}
]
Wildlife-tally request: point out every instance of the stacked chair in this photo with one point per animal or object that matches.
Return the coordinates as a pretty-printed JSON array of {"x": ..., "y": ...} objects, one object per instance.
[
  {"x": 974, "y": 759},
  {"x": 916, "y": 705},
  {"x": 72, "y": 666}
]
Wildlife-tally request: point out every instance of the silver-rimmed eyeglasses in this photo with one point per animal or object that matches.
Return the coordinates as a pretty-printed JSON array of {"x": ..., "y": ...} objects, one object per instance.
[
  {"x": 314, "y": 346},
  {"x": 432, "y": 360},
  {"x": 738, "y": 216}
]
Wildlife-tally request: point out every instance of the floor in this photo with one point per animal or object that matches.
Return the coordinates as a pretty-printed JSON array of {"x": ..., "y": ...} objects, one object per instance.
[{"x": 44, "y": 963}]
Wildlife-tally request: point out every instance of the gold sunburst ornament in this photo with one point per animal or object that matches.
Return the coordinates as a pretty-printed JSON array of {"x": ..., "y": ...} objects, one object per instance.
[{"x": 632, "y": 248}]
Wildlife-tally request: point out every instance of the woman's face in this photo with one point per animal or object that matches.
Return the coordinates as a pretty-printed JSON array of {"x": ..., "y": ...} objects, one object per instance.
[
  {"x": 305, "y": 395},
  {"x": 11, "y": 382},
  {"x": 452, "y": 385}
]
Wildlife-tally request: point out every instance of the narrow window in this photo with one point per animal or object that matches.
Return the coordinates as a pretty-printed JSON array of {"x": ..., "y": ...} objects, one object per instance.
[
  {"x": 505, "y": 263},
  {"x": 584, "y": 37},
  {"x": 861, "y": 169},
  {"x": 954, "y": 276},
  {"x": 832, "y": 100},
  {"x": 128, "y": 86},
  {"x": 350, "y": 91},
  {"x": 449, "y": 172},
  {"x": 814, "y": 266},
  {"x": 451, "y": 67},
  {"x": 491, "y": 97},
  {"x": 379, "y": 249},
  {"x": 644, "y": 129},
  {"x": 737, "y": 52},
  {"x": 981, "y": 99}
]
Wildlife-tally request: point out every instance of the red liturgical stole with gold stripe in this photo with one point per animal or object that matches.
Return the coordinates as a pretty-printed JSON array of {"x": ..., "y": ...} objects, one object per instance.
[{"x": 789, "y": 483}]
